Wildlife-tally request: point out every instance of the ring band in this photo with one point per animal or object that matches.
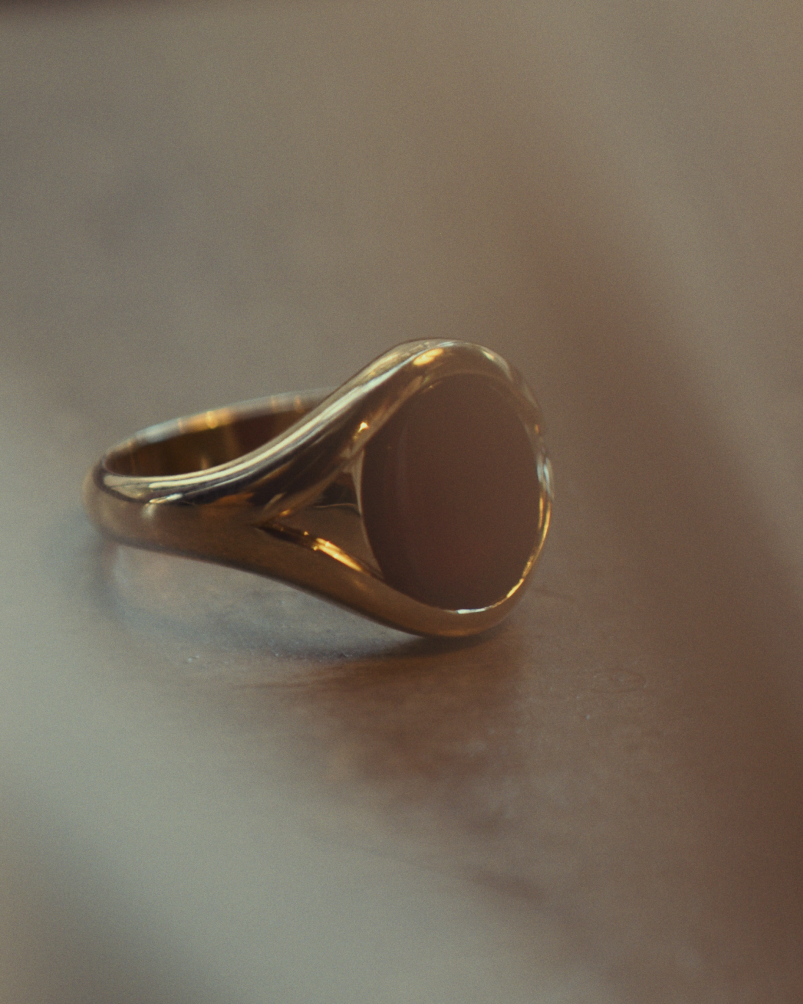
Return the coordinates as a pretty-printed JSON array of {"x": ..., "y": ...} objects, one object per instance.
[{"x": 418, "y": 493}]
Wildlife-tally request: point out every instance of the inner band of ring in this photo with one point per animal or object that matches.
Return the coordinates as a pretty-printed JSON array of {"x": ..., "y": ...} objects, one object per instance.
[{"x": 210, "y": 438}]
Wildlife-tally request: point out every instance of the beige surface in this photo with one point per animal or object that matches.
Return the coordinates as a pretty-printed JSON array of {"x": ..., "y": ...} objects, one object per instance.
[{"x": 217, "y": 789}]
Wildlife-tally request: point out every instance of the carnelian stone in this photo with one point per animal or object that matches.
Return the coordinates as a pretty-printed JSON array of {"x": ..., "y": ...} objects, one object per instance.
[{"x": 450, "y": 495}]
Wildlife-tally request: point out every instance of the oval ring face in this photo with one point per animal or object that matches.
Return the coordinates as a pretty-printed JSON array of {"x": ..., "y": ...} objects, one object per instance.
[{"x": 450, "y": 495}]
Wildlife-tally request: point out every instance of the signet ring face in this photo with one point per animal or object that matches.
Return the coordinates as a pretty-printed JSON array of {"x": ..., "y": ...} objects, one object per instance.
[{"x": 419, "y": 493}]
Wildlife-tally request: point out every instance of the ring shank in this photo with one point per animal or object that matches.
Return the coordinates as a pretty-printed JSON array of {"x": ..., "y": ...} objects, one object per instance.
[{"x": 209, "y": 438}]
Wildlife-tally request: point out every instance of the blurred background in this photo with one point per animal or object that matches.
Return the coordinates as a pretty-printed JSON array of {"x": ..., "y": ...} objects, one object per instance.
[{"x": 215, "y": 788}]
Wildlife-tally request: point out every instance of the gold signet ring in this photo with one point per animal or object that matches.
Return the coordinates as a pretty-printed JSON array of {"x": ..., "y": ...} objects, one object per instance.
[{"x": 418, "y": 493}]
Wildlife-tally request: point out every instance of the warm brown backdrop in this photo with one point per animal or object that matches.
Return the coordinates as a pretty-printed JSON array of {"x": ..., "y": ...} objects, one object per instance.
[{"x": 216, "y": 789}]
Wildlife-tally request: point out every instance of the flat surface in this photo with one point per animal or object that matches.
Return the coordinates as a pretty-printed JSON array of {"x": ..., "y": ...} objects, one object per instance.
[{"x": 218, "y": 789}]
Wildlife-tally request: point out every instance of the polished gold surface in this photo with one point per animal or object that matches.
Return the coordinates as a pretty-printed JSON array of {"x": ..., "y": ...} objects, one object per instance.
[{"x": 273, "y": 486}]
